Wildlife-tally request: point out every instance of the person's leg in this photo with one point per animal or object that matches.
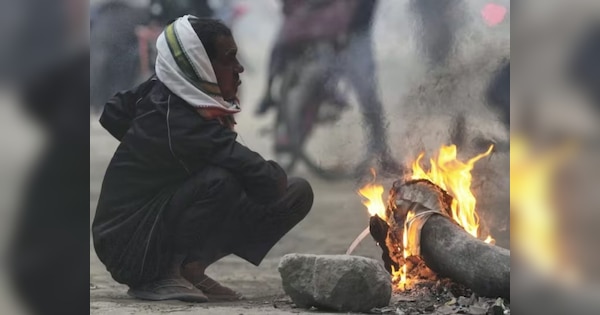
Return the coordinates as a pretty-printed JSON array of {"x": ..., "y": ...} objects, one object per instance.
[
  {"x": 194, "y": 214},
  {"x": 359, "y": 65},
  {"x": 261, "y": 227},
  {"x": 249, "y": 231},
  {"x": 332, "y": 78},
  {"x": 200, "y": 211},
  {"x": 252, "y": 229}
]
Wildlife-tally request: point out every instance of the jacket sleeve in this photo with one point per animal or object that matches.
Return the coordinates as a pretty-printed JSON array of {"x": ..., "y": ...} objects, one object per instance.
[
  {"x": 264, "y": 181},
  {"x": 119, "y": 111},
  {"x": 208, "y": 142}
]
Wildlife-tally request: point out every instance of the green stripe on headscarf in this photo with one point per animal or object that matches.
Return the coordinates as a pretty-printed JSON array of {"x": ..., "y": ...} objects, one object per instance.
[{"x": 185, "y": 65}]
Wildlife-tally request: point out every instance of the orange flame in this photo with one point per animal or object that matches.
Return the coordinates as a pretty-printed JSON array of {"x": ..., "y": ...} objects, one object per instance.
[
  {"x": 455, "y": 177},
  {"x": 400, "y": 277},
  {"x": 401, "y": 274},
  {"x": 449, "y": 173},
  {"x": 374, "y": 200}
]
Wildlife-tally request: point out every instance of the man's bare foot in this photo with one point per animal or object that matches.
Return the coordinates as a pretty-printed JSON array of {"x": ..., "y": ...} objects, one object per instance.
[
  {"x": 194, "y": 273},
  {"x": 216, "y": 291}
]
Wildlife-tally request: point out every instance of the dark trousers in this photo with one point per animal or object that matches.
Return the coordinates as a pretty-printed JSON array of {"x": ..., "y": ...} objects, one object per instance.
[
  {"x": 356, "y": 63},
  {"x": 437, "y": 24},
  {"x": 211, "y": 216}
]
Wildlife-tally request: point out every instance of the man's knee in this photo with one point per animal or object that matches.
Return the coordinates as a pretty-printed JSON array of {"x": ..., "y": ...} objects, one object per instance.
[
  {"x": 207, "y": 197},
  {"x": 214, "y": 182},
  {"x": 302, "y": 193}
]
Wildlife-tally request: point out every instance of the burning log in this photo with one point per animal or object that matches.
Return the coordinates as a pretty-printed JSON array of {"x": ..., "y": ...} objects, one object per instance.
[
  {"x": 444, "y": 246},
  {"x": 451, "y": 252},
  {"x": 379, "y": 230}
]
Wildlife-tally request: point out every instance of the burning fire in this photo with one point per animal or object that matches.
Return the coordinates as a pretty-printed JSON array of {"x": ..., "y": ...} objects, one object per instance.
[
  {"x": 450, "y": 174},
  {"x": 400, "y": 275},
  {"x": 455, "y": 177},
  {"x": 374, "y": 200}
]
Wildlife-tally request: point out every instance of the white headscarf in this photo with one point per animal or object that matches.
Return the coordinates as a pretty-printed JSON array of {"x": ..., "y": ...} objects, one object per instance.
[{"x": 184, "y": 67}]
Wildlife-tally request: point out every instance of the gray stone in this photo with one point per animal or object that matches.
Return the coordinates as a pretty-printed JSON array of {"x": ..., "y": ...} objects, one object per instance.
[{"x": 335, "y": 282}]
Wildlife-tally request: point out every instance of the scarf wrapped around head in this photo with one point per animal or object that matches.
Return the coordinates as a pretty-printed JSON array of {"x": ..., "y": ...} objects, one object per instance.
[{"x": 183, "y": 66}]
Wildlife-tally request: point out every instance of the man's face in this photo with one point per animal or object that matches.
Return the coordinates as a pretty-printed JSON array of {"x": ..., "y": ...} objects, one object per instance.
[{"x": 226, "y": 66}]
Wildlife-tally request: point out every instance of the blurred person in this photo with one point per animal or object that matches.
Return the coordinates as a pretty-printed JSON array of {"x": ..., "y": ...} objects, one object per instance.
[
  {"x": 49, "y": 252},
  {"x": 180, "y": 192},
  {"x": 347, "y": 26},
  {"x": 305, "y": 22},
  {"x": 328, "y": 20}
]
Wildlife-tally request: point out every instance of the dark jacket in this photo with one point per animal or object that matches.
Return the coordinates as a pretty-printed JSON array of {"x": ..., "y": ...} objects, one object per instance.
[{"x": 164, "y": 141}]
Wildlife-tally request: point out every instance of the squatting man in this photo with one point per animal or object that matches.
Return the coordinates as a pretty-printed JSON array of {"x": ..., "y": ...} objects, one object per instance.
[{"x": 180, "y": 192}]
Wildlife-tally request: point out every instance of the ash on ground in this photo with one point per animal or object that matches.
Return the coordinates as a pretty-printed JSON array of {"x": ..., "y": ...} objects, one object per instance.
[{"x": 442, "y": 297}]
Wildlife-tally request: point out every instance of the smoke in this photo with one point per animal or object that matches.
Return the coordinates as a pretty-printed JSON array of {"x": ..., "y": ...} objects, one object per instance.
[{"x": 438, "y": 69}]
